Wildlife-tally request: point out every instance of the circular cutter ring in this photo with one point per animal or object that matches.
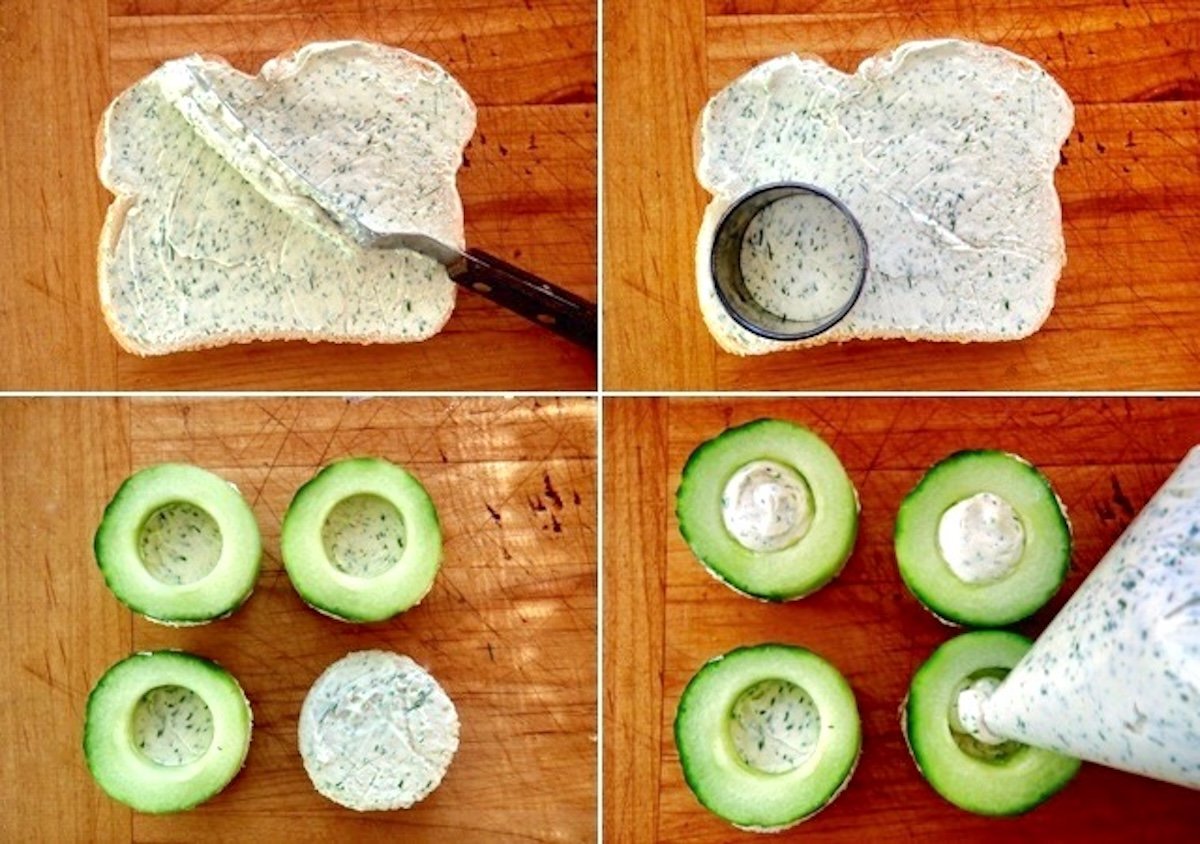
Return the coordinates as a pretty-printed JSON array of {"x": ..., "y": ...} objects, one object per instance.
[{"x": 726, "y": 263}]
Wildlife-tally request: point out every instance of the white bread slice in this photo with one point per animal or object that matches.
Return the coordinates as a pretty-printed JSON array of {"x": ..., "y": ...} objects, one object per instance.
[
  {"x": 193, "y": 255},
  {"x": 945, "y": 152}
]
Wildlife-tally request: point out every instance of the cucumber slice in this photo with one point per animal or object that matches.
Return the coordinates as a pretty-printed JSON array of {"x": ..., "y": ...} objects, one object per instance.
[
  {"x": 767, "y": 736},
  {"x": 983, "y": 539},
  {"x": 377, "y": 732},
  {"x": 1004, "y": 778},
  {"x": 166, "y": 730},
  {"x": 768, "y": 509},
  {"x": 361, "y": 540},
  {"x": 179, "y": 545}
]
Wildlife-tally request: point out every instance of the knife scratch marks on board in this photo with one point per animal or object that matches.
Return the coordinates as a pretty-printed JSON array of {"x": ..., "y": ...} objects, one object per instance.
[
  {"x": 46, "y": 677},
  {"x": 364, "y": 429},
  {"x": 289, "y": 428},
  {"x": 429, "y": 443},
  {"x": 48, "y": 580},
  {"x": 448, "y": 581},
  {"x": 337, "y": 427},
  {"x": 899, "y": 410},
  {"x": 269, "y": 418}
]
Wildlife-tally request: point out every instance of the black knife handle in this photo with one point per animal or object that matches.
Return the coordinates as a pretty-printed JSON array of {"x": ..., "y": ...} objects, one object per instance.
[{"x": 536, "y": 299}]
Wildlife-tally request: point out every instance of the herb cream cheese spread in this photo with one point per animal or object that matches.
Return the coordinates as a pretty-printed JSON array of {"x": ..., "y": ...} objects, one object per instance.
[
  {"x": 377, "y": 732},
  {"x": 981, "y": 538},
  {"x": 967, "y": 713},
  {"x": 801, "y": 258},
  {"x": 767, "y": 506},
  {"x": 231, "y": 192},
  {"x": 943, "y": 150}
]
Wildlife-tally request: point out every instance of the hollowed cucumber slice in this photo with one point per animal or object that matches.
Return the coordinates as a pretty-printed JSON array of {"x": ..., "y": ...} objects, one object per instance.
[
  {"x": 982, "y": 539},
  {"x": 166, "y": 730},
  {"x": 1007, "y": 778},
  {"x": 767, "y": 736},
  {"x": 768, "y": 509},
  {"x": 179, "y": 545},
  {"x": 361, "y": 540}
]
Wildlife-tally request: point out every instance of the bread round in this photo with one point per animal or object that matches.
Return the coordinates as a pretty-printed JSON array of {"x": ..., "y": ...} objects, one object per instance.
[{"x": 377, "y": 732}]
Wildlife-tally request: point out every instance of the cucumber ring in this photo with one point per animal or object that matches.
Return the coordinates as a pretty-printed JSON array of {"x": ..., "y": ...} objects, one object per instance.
[
  {"x": 767, "y": 736},
  {"x": 166, "y": 730},
  {"x": 808, "y": 558},
  {"x": 1007, "y": 779},
  {"x": 156, "y": 551},
  {"x": 361, "y": 540},
  {"x": 1031, "y": 578}
]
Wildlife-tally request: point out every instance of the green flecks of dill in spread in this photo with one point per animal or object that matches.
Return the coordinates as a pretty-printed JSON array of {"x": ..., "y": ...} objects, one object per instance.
[
  {"x": 202, "y": 254},
  {"x": 364, "y": 536},
  {"x": 801, "y": 258},
  {"x": 172, "y": 726},
  {"x": 179, "y": 544},
  {"x": 944, "y": 152},
  {"x": 774, "y": 726}
]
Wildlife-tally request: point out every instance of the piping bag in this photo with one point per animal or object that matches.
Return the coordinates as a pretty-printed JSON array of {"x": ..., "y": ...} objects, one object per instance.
[
  {"x": 511, "y": 287},
  {"x": 1115, "y": 678}
]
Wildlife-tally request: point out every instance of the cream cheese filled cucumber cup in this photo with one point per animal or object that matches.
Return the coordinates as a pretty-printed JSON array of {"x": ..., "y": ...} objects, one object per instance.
[
  {"x": 166, "y": 730},
  {"x": 768, "y": 509},
  {"x": 179, "y": 545},
  {"x": 983, "y": 539},
  {"x": 955, "y": 752},
  {"x": 361, "y": 540},
  {"x": 767, "y": 736}
]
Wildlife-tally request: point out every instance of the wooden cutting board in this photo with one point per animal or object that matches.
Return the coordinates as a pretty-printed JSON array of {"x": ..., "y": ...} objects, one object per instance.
[
  {"x": 1127, "y": 308},
  {"x": 528, "y": 183},
  {"x": 509, "y": 629},
  {"x": 664, "y": 616}
]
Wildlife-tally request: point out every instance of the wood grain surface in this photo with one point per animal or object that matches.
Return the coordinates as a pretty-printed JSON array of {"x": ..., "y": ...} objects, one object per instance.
[
  {"x": 528, "y": 183},
  {"x": 1127, "y": 308},
  {"x": 509, "y": 628},
  {"x": 1105, "y": 457}
]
